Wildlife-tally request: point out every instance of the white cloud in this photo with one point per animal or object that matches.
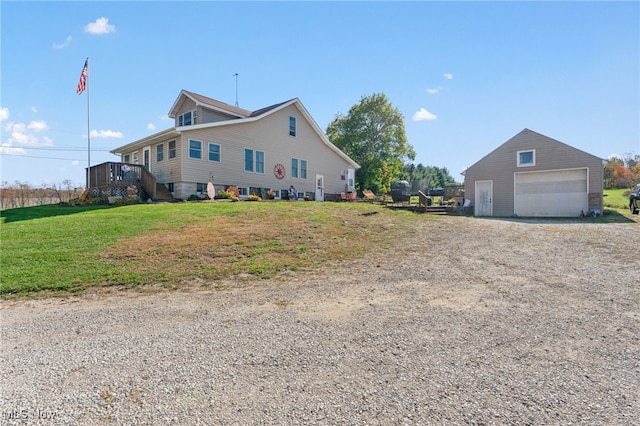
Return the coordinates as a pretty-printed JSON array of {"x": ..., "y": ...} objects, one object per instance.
[
  {"x": 15, "y": 127},
  {"x": 75, "y": 162},
  {"x": 63, "y": 44},
  {"x": 448, "y": 75},
  {"x": 101, "y": 26},
  {"x": 433, "y": 91},
  {"x": 165, "y": 118},
  {"x": 7, "y": 149},
  {"x": 37, "y": 126},
  {"x": 150, "y": 126},
  {"x": 22, "y": 135},
  {"x": 106, "y": 134},
  {"x": 424, "y": 115},
  {"x": 34, "y": 109}
]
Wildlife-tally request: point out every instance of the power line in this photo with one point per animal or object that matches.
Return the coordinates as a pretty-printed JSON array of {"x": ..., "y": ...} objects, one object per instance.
[
  {"x": 61, "y": 148},
  {"x": 35, "y": 156}
]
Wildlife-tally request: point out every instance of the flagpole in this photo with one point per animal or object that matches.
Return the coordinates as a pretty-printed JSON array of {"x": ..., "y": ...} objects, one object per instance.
[{"x": 88, "y": 127}]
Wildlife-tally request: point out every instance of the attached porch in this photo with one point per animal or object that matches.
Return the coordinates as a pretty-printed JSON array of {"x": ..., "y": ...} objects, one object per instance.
[{"x": 122, "y": 179}]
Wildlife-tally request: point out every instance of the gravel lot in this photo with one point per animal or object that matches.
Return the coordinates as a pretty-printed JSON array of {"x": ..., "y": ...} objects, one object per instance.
[{"x": 469, "y": 321}]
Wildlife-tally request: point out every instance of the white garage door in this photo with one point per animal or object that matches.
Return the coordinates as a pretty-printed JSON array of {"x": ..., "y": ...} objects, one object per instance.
[{"x": 560, "y": 193}]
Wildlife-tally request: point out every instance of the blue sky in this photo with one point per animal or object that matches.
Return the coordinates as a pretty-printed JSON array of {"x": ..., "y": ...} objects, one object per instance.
[{"x": 466, "y": 76}]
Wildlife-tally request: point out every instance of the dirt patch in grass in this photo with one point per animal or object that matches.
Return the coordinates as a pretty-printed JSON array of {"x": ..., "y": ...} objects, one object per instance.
[{"x": 253, "y": 245}]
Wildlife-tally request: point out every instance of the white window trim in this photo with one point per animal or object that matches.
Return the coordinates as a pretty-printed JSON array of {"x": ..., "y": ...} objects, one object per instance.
[
  {"x": 209, "y": 152},
  {"x": 189, "y": 149},
  {"x": 164, "y": 154},
  {"x": 295, "y": 126},
  {"x": 533, "y": 151},
  {"x": 242, "y": 189},
  {"x": 254, "y": 161},
  {"x": 194, "y": 116}
]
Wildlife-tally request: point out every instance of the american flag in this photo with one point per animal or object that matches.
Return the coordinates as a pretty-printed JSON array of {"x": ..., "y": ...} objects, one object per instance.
[{"x": 83, "y": 78}]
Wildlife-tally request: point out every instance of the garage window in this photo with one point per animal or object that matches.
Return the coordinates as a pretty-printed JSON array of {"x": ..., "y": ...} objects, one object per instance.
[{"x": 526, "y": 158}]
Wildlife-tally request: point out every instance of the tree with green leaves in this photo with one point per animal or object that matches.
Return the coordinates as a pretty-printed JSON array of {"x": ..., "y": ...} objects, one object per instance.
[
  {"x": 373, "y": 135},
  {"x": 422, "y": 176}
]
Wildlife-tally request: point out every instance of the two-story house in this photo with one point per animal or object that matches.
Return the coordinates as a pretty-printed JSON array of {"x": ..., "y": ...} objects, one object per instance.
[{"x": 272, "y": 149}]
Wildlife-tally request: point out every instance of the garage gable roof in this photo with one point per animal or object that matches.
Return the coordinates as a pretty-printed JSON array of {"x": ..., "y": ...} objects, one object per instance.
[{"x": 540, "y": 139}]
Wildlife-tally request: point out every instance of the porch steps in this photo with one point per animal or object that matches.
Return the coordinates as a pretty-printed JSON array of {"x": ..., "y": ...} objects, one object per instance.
[{"x": 162, "y": 193}]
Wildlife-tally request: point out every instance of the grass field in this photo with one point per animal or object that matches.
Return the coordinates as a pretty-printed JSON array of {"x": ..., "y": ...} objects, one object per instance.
[
  {"x": 60, "y": 250},
  {"x": 617, "y": 198},
  {"x": 57, "y": 250}
]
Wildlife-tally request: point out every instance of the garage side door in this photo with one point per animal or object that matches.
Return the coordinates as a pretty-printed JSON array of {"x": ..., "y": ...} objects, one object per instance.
[{"x": 559, "y": 193}]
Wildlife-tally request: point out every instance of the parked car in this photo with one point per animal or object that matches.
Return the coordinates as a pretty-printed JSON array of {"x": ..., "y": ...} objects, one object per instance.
[{"x": 634, "y": 199}]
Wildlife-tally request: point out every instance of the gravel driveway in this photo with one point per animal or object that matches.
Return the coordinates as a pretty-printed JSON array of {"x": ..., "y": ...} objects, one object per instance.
[{"x": 468, "y": 321}]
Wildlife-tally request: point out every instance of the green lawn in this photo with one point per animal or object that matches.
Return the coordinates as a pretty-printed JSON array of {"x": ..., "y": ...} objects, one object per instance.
[
  {"x": 616, "y": 198},
  {"x": 56, "y": 250}
]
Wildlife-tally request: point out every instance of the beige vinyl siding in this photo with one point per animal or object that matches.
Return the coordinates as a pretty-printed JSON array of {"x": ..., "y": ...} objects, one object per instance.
[
  {"x": 186, "y": 106},
  {"x": 281, "y": 148},
  {"x": 168, "y": 170},
  {"x": 212, "y": 116},
  {"x": 501, "y": 165}
]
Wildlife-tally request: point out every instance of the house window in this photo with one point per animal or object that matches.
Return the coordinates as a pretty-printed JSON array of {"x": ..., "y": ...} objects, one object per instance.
[
  {"x": 294, "y": 167},
  {"x": 126, "y": 158},
  {"x": 160, "y": 152},
  {"x": 170, "y": 187},
  {"x": 201, "y": 187},
  {"x": 259, "y": 162},
  {"x": 195, "y": 149},
  {"x": 303, "y": 169},
  {"x": 248, "y": 160},
  {"x": 214, "y": 152},
  {"x": 172, "y": 149},
  {"x": 292, "y": 126},
  {"x": 243, "y": 192},
  {"x": 253, "y": 163},
  {"x": 187, "y": 119},
  {"x": 526, "y": 158}
]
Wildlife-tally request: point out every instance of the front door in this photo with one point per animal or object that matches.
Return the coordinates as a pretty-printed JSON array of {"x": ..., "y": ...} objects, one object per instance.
[
  {"x": 484, "y": 198},
  {"x": 319, "y": 188},
  {"x": 147, "y": 158}
]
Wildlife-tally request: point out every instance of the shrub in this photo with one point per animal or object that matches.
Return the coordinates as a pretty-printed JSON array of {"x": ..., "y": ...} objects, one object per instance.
[
  {"x": 194, "y": 197},
  {"x": 223, "y": 195},
  {"x": 253, "y": 197},
  {"x": 88, "y": 201},
  {"x": 127, "y": 201}
]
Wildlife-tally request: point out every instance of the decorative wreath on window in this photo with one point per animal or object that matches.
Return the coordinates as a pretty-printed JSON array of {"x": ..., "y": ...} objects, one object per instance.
[
  {"x": 279, "y": 171},
  {"x": 125, "y": 168}
]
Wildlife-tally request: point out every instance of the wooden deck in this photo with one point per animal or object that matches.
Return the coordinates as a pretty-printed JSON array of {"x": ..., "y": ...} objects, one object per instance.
[{"x": 120, "y": 179}]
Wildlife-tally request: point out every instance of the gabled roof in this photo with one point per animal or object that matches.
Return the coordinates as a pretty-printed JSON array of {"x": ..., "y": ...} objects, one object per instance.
[
  {"x": 526, "y": 131},
  {"x": 209, "y": 104},
  {"x": 241, "y": 116}
]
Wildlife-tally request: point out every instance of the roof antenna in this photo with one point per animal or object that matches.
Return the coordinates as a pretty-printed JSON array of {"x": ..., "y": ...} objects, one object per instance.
[{"x": 236, "y": 75}]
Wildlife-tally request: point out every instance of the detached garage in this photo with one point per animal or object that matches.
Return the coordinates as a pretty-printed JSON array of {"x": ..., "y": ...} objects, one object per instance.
[{"x": 532, "y": 175}]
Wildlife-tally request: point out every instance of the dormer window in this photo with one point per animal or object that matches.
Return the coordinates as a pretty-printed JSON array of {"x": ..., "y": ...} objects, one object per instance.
[
  {"x": 188, "y": 118},
  {"x": 526, "y": 158},
  {"x": 292, "y": 126}
]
